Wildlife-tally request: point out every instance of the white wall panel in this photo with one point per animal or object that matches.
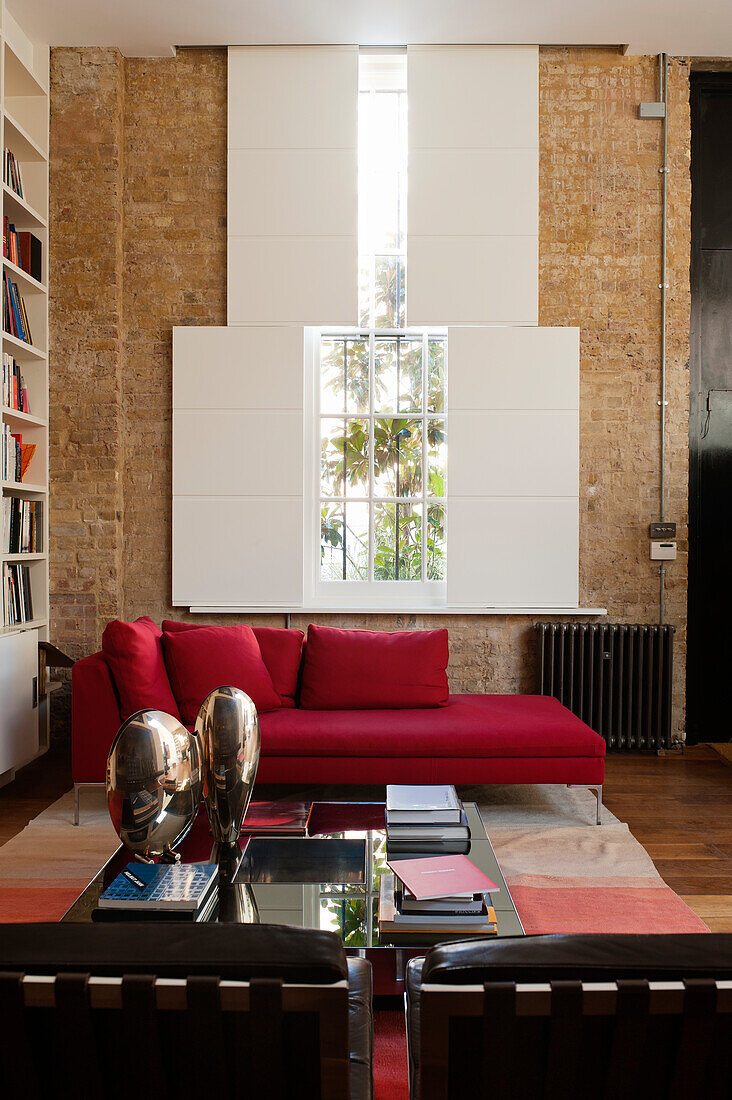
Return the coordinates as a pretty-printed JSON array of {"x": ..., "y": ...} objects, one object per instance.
[
  {"x": 478, "y": 192},
  {"x": 290, "y": 97},
  {"x": 513, "y": 478},
  {"x": 468, "y": 280},
  {"x": 472, "y": 246},
  {"x": 509, "y": 453},
  {"x": 292, "y": 280},
  {"x": 242, "y": 551},
  {"x": 238, "y": 453},
  {"x": 525, "y": 552},
  {"x": 238, "y": 368},
  {"x": 473, "y": 97},
  {"x": 292, "y": 199},
  {"x": 521, "y": 368},
  {"x": 294, "y": 192},
  {"x": 238, "y": 466}
]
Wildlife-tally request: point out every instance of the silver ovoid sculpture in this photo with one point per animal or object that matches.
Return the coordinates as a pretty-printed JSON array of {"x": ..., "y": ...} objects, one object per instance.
[
  {"x": 227, "y": 728},
  {"x": 154, "y": 783}
]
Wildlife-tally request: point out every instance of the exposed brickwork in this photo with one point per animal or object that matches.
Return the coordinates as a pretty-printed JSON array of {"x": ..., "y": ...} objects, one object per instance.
[
  {"x": 85, "y": 437},
  {"x": 600, "y": 226},
  {"x": 599, "y": 268},
  {"x": 175, "y": 274}
]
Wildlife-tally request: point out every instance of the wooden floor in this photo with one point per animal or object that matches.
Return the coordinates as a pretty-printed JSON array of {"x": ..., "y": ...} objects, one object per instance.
[
  {"x": 33, "y": 789},
  {"x": 678, "y": 807}
]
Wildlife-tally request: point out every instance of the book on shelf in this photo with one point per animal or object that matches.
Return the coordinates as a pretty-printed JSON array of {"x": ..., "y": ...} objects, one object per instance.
[
  {"x": 15, "y": 317},
  {"x": 17, "y": 597},
  {"x": 165, "y": 887},
  {"x": 30, "y": 253},
  {"x": 15, "y": 455},
  {"x": 429, "y": 831},
  {"x": 14, "y": 389},
  {"x": 23, "y": 249},
  {"x": 393, "y": 922},
  {"x": 409, "y": 803},
  {"x": 21, "y": 529},
  {"x": 12, "y": 174}
]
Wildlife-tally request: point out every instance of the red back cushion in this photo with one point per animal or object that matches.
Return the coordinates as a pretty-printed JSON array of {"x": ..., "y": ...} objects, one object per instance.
[
  {"x": 212, "y": 656},
  {"x": 134, "y": 654},
  {"x": 281, "y": 652},
  {"x": 369, "y": 669}
]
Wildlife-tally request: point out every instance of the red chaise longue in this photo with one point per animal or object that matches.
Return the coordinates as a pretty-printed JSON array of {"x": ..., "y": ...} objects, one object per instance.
[{"x": 343, "y": 706}]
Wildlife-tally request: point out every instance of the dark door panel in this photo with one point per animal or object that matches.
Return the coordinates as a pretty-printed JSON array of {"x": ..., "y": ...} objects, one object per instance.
[{"x": 709, "y": 654}]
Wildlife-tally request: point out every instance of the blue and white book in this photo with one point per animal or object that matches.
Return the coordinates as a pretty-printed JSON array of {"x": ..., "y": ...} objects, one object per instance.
[{"x": 174, "y": 887}]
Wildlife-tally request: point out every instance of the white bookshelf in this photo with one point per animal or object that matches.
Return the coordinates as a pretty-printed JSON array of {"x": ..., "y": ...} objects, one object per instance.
[{"x": 24, "y": 129}]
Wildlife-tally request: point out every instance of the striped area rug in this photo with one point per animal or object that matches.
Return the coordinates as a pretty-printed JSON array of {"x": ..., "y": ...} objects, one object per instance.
[{"x": 565, "y": 874}]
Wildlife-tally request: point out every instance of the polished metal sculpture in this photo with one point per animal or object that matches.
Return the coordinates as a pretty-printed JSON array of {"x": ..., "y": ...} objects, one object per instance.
[
  {"x": 227, "y": 728},
  {"x": 154, "y": 783}
]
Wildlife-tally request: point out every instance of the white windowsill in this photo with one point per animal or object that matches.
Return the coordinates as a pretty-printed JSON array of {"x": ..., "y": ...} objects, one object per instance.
[{"x": 224, "y": 609}]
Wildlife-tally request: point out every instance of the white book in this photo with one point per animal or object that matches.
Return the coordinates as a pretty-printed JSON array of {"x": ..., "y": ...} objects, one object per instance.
[{"x": 407, "y": 803}]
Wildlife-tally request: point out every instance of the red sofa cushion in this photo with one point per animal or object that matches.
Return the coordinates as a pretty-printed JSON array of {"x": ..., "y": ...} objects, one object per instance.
[
  {"x": 471, "y": 726},
  {"x": 281, "y": 652},
  {"x": 210, "y": 656},
  {"x": 134, "y": 654},
  {"x": 373, "y": 670}
]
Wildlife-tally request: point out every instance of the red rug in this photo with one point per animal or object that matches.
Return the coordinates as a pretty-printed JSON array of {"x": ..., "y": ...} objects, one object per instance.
[{"x": 391, "y": 1073}]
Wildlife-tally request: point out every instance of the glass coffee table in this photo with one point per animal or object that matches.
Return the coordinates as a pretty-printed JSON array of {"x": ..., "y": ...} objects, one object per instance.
[{"x": 327, "y": 879}]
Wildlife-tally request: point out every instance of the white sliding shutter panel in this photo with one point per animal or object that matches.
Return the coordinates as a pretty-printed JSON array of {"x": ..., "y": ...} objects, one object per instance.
[
  {"x": 472, "y": 238},
  {"x": 237, "y": 466},
  {"x": 292, "y": 185},
  {"x": 513, "y": 477}
]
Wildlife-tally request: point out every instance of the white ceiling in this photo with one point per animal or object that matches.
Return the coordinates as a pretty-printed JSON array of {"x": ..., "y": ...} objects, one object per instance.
[{"x": 700, "y": 28}]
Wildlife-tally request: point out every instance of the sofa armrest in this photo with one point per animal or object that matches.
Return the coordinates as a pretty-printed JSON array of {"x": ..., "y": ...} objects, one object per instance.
[{"x": 95, "y": 718}]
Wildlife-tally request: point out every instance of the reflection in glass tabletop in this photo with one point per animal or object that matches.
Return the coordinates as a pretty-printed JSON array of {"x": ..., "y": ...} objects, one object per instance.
[{"x": 328, "y": 879}]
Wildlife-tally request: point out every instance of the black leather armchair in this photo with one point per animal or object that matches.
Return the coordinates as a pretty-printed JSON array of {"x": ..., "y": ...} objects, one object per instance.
[
  {"x": 179, "y": 1010},
  {"x": 601, "y": 1016}
]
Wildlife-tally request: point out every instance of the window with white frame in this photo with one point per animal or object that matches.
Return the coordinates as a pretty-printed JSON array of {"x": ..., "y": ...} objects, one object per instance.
[{"x": 380, "y": 390}]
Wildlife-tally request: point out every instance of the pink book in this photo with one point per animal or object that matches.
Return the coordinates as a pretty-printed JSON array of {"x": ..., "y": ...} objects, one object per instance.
[{"x": 441, "y": 876}]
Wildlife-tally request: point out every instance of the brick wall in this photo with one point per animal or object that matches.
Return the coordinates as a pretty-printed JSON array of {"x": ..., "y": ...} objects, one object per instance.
[{"x": 146, "y": 233}]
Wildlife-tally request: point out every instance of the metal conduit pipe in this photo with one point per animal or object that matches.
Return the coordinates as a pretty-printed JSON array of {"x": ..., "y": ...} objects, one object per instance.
[{"x": 663, "y": 286}]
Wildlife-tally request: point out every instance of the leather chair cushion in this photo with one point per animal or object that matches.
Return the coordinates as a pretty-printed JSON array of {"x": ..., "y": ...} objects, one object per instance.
[
  {"x": 580, "y": 957},
  {"x": 232, "y": 951},
  {"x": 361, "y": 1028}
]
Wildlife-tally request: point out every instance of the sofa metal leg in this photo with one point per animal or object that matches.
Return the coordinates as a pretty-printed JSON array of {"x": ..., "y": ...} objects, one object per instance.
[
  {"x": 597, "y": 788},
  {"x": 77, "y": 792}
]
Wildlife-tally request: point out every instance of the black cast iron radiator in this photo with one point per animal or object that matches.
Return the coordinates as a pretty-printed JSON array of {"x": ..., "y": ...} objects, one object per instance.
[{"x": 615, "y": 677}]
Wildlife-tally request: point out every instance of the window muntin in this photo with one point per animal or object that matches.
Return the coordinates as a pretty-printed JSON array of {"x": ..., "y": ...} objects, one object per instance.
[
  {"x": 380, "y": 392},
  {"x": 382, "y": 457}
]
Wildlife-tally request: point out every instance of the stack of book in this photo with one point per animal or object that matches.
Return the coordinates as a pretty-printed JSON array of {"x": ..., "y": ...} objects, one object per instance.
[
  {"x": 404, "y": 918},
  {"x": 21, "y": 526},
  {"x": 429, "y": 818},
  {"x": 17, "y": 600},
  {"x": 14, "y": 391},
  {"x": 11, "y": 173},
  {"x": 161, "y": 891}
]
